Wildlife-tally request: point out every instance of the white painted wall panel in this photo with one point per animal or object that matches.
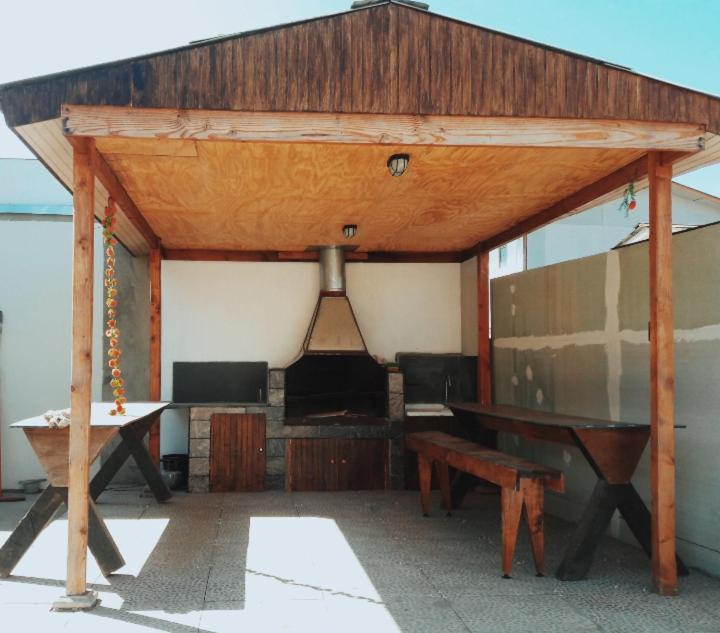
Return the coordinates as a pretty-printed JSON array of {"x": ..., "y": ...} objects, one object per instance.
[
  {"x": 35, "y": 298},
  {"x": 247, "y": 311}
]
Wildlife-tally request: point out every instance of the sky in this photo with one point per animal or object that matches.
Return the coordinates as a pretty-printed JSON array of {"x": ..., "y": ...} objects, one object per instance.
[{"x": 678, "y": 41}]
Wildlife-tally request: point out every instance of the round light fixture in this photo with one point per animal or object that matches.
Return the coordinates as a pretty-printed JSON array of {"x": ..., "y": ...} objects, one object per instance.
[
  {"x": 349, "y": 231},
  {"x": 398, "y": 164}
]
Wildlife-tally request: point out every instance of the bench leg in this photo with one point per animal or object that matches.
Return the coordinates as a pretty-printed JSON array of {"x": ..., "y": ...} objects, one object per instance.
[
  {"x": 511, "y": 502},
  {"x": 443, "y": 474},
  {"x": 425, "y": 477},
  {"x": 533, "y": 492}
]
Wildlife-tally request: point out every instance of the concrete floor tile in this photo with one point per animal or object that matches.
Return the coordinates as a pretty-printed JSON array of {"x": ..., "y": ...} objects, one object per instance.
[
  {"x": 298, "y": 616},
  {"x": 531, "y": 614},
  {"x": 426, "y": 616},
  {"x": 338, "y": 562}
]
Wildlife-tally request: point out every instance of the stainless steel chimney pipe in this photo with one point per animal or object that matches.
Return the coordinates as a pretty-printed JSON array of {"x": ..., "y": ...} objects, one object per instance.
[{"x": 332, "y": 269}]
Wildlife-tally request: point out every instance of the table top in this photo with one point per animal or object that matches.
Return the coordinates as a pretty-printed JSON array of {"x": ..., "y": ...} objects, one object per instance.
[
  {"x": 100, "y": 415},
  {"x": 542, "y": 418}
]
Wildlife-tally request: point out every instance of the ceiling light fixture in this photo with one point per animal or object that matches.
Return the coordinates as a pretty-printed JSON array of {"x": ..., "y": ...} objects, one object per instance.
[{"x": 398, "y": 164}]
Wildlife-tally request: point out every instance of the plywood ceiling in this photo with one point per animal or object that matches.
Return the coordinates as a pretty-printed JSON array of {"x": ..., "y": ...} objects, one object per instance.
[{"x": 286, "y": 197}]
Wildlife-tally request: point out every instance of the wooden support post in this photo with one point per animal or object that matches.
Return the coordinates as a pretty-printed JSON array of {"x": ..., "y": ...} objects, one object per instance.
[
  {"x": 662, "y": 377},
  {"x": 155, "y": 264},
  {"x": 484, "y": 368},
  {"x": 81, "y": 388}
]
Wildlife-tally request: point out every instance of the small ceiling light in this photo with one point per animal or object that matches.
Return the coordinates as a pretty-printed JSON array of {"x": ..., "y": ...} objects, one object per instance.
[
  {"x": 349, "y": 231},
  {"x": 398, "y": 163}
]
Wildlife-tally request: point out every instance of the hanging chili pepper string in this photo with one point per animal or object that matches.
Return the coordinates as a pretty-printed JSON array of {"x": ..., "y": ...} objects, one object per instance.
[{"x": 111, "y": 302}]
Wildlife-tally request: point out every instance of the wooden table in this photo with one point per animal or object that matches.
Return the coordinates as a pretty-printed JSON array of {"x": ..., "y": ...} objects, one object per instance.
[
  {"x": 51, "y": 448},
  {"x": 613, "y": 450}
]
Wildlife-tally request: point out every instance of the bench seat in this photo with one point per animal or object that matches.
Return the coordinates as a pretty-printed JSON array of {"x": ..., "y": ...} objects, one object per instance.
[{"x": 522, "y": 484}]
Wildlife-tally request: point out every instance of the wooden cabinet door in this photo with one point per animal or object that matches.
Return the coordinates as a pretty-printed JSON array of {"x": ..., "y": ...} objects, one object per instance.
[
  {"x": 336, "y": 464},
  {"x": 237, "y": 452},
  {"x": 367, "y": 465},
  {"x": 310, "y": 465}
]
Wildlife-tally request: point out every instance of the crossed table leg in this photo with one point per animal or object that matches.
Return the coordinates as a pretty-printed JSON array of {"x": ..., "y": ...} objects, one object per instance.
[
  {"x": 53, "y": 497},
  {"x": 613, "y": 452}
]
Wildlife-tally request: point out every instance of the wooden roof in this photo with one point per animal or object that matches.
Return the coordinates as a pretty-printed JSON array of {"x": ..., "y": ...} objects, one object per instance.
[
  {"x": 164, "y": 126},
  {"x": 387, "y": 58}
]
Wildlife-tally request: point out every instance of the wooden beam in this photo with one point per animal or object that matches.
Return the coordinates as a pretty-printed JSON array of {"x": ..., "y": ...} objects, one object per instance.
[
  {"x": 81, "y": 387},
  {"x": 209, "y": 255},
  {"x": 155, "y": 265},
  {"x": 662, "y": 377},
  {"x": 406, "y": 257},
  {"x": 117, "y": 192},
  {"x": 376, "y": 129},
  {"x": 614, "y": 182},
  {"x": 484, "y": 366}
]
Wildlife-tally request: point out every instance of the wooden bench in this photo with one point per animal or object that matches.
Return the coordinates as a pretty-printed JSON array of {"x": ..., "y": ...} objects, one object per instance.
[{"x": 522, "y": 483}]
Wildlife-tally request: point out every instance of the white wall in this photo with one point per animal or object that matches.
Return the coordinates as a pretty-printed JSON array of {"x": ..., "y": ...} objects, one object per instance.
[
  {"x": 35, "y": 299},
  {"x": 599, "y": 229},
  {"x": 406, "y": 307},
  {"x": 213, "y": 311}
]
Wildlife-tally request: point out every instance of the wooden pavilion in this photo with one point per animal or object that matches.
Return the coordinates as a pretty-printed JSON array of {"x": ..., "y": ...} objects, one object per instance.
[{"x": 255, "y": 146}]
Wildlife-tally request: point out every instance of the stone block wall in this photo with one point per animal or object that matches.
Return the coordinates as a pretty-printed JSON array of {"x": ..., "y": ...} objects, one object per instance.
[{"x": 396, "y": 413}]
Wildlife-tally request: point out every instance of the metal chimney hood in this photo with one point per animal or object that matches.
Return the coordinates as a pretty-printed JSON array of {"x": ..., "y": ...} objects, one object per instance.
[{"x": 333, "y": 327}]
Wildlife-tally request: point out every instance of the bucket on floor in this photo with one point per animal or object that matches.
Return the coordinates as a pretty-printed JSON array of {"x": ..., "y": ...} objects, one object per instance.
[
  {"x": 177, "y": 462},
  {"x": 32, "y": 486}
]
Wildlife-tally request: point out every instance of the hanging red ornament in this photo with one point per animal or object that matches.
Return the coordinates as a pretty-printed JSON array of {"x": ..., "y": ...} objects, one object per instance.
[
  {"x": 628, "y": 202},
  {"x": 111, "y": 301}
]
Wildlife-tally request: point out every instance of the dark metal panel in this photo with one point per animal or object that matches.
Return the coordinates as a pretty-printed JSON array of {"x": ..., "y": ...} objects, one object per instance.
[{"x": 215, "y": 382}]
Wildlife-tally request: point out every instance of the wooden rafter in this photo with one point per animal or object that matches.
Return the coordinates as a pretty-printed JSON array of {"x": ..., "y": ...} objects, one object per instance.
[
  {"x": 382, "y": 129},
  {"x": 209, "y": 255},
  {"x": 615, "y": 181},
  {"x": 110, "y": 181}
]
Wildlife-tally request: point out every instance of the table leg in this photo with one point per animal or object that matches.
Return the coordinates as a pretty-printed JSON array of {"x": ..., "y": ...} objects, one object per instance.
[
  {"x": 100, "y": 541},
  {"x": 605, "y": 499},
  {"x": 637, "y": 516},
  {"x": 145, "y": 463},
  {"x": 590, "y": 529},
  {"x": 102, "y": 545},
  {"x": 131, "y": 443},
  {"x": 23, "y": 536},
  {"x": 109, "y": 469},
  {"x": 463, "y": 483}
]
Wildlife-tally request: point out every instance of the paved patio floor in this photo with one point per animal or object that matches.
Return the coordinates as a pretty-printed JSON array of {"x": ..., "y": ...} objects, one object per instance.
[{"x": 340, "y": 562}]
